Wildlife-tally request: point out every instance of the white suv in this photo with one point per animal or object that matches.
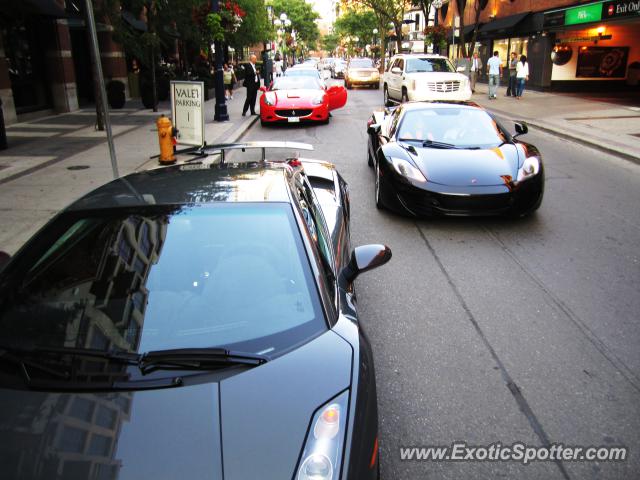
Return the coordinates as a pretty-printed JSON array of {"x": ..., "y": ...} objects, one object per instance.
[{"x": 423, "y": 78}]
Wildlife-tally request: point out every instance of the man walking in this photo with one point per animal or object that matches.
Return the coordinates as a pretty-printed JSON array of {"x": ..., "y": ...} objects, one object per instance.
[
  {"x": 252, "y": 82},
  {"x": 511, "y": 89},
  {"x": 494, "y": 66},
  {"x": 474, "y": 69}
]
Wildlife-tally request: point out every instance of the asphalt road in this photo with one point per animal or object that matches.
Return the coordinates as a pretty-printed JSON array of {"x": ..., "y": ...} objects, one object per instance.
[{"x": 495, "y": 330}]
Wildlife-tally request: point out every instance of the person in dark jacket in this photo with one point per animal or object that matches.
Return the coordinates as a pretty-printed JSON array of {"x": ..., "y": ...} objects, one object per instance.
[{"x": 252, "y": 82}]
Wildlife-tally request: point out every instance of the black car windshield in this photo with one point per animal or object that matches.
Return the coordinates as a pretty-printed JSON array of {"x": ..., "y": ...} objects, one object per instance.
[
  {"x": 297, "y": 83},
  {"x": 165, "y": 277},
  {"x": 415, "y": 65},
  {"x": 361, "y": 63},
  {"x": 462, "y": 127}
]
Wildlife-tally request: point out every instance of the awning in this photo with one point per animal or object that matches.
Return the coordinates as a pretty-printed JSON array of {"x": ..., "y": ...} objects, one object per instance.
[
  {"x": 48, "y": 8},
  {"x": 467, "y": 31},
  {"x": 505, "y": 23}
]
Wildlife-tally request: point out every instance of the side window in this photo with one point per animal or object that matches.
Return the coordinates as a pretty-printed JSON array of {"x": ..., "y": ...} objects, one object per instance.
[
  {"x": 319, "y": 233},
  {"x": 390, "y": 65},
  {"x": 401, "y": 64},
  {"x": 394, "y": 121}
]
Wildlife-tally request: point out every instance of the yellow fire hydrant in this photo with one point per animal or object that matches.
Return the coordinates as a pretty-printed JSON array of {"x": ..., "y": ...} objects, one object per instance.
[{"x": 165, "y": 138}]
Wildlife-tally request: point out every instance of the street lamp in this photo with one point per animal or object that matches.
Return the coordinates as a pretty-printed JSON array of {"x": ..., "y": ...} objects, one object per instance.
[
  {"x": 220, "y": 109},
  {"x": 375, "y": 32}
]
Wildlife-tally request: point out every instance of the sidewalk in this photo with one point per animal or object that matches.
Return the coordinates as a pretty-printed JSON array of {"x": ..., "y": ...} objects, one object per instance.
[
  {"x": 607, "y": 126},
  {"x": 53, "y": 161}
]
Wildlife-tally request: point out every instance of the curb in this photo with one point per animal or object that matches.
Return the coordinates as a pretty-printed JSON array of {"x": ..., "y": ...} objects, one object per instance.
[
  {"x": 234, "y": 137},
  {"x": 571, "y": 137}
]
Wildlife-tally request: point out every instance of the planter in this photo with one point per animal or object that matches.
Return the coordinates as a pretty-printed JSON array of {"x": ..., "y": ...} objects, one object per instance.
[{"x": 115, "y": 94}]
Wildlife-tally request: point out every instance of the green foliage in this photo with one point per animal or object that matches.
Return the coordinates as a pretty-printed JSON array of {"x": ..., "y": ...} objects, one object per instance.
[
  {"x": 330, "y": 42},
  {"x": 357, "y": 23},
  {"x": 302, "y": 16},
  {"x": 255, "y": 27}
]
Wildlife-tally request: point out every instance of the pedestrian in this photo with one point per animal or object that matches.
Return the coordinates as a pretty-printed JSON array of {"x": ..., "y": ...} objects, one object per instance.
[
  {"x": 229, "y": 78},
  {"x": 278, "y": 64},
  {"x": 522, "y": 75},
  {"x": 494, "y": 67},
  {"x": 252, "y": 82},
  {"x": 474, "y": 69},
  {"x": 511, "y": 89}
]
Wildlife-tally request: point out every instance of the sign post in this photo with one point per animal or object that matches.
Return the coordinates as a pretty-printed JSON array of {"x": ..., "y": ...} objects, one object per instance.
[{"x": 187, "y": 111}]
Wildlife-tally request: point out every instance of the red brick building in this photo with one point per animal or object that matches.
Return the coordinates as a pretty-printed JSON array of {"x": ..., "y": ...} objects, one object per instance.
[
  {"x": 570, "y": 45},
  {"x": 45, "y": 62}
]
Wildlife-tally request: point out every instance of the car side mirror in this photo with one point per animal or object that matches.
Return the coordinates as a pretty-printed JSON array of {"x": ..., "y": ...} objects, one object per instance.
[
  {"x": 396, "y": 70},
  {"x": 4, "y": 259},
  {"x": 363, "y": 259},
  {"x": 521, "y": 129},
  {"x": 374, "y": 129},
  {"x": 263, "y": 89}
]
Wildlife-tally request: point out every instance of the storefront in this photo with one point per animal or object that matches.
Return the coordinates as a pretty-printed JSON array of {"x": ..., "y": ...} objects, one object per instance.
[{"x": 596, "y": 45}]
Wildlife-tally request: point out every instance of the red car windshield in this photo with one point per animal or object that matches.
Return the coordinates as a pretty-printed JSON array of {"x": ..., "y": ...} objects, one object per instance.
[{"x": 296, "y": 83}]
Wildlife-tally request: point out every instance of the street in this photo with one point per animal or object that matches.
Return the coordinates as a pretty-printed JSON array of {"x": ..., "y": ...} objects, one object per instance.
[{"x": 493, "y": 330}]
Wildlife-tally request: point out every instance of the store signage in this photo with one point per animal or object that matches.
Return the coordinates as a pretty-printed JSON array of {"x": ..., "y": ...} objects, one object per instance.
[
  {"x": 187, "y": 111},
  {"x": 620, "y": 8},
  {"x": 602, "y": 62},
  {"x": 584, "y": 14},
  {"x": 593, "y": 38}
]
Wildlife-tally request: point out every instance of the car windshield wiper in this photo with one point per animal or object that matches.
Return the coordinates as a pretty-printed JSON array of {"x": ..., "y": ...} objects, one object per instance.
[
  {"x": 428, "y": 143},
  {"x": 197, "y": 359}
]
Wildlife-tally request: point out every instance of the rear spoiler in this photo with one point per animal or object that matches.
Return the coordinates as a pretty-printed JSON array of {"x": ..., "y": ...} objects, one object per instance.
[{"x": 223, "y": 147}]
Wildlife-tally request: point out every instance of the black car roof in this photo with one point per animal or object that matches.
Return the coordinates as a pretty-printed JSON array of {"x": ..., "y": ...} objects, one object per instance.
[{"x": 192, "y": 183}]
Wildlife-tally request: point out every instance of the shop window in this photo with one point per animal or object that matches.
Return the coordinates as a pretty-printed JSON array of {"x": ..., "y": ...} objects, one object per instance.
[
  {"x": 519, "y": 46},
  {"x": 502, "y": 47}
]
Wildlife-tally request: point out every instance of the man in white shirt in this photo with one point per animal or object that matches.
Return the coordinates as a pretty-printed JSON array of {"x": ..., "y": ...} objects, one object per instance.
[
  {"x": 494, "y": 67},
  {"x": 474, "y": 70}
]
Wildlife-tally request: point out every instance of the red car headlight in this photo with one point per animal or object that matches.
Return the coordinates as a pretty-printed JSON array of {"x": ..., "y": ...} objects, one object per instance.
[{"x": 270, "y": 98}]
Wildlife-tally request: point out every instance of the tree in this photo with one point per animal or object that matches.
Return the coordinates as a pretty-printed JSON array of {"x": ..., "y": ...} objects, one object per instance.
[
  {"x": 357, "y": 23},
  {"x": 302, "y": 16},
  {"x": 425, "y": 6},
  {"x": 480, "y": 5},
  {"x": 387, "y": 12},
  {"x": 255, "y": 27},
  {"x": 330, "y": 42}
]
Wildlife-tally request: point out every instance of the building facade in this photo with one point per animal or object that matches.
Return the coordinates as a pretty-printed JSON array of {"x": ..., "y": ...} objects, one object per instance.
[
  {"x": 570, "y": 45},
  {"x": 45, "y": 61}
]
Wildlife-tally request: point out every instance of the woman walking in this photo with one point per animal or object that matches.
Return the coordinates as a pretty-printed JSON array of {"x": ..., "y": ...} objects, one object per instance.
[
  {"x": 229, "y": 79},
  {"x": 522, "y": 75}
]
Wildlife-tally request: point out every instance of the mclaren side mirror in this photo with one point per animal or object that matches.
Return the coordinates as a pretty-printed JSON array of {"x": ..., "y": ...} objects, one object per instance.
[
  {"x": 4, "y": 259},
  {"x": 374, "y": 129},
  {"x": 521, "y": 129},
  {"x": 363, "y": 259}
]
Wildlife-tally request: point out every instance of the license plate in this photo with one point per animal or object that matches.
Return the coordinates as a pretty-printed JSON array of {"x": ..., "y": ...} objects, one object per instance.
[{"x": 293, "y": 119}]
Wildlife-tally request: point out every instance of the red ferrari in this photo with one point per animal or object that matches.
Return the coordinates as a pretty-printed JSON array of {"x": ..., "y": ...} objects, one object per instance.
[{"x": 299, "y": 99}]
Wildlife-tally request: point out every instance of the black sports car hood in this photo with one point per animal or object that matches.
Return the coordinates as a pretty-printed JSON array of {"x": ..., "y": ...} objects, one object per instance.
[
  {"x": 251, "y": 425},
  {"x": 461, "y": 167}
]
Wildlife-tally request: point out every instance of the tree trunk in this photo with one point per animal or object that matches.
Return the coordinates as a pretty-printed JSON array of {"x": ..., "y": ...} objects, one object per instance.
[{"x": 398, "y": 28}]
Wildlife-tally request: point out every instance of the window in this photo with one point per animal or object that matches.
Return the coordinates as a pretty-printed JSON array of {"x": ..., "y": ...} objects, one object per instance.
[
  {"x": 72, "y": 440},
  {"x": 82, "y": 409},
  {"x": 100, "y": 445},
  {"x": 106, "y": 417}
]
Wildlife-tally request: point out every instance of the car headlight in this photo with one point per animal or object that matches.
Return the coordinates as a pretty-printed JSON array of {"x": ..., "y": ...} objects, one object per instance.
[
  {"x": 406, "y": 169},
  {"x": 530, "y": 167},
  {"x": 322, "y": 454},
  {"x": 317, "y": 100},
  {"x": 270, "y": 98}
]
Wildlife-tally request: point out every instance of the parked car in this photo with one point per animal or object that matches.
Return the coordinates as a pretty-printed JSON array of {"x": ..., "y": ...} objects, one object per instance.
[
  {"x": 300, "y": 98},
  {"x": 338, "y": 69},
  {"x": 423, "y": 78},
  {"x": 361, "y": 71},
  {"x": 445, "y": 158},
  {"x": 173, "y": 320}
]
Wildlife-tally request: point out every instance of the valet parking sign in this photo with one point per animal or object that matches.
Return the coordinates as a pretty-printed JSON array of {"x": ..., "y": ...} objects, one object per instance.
[{"x": 187, "y": 111}]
